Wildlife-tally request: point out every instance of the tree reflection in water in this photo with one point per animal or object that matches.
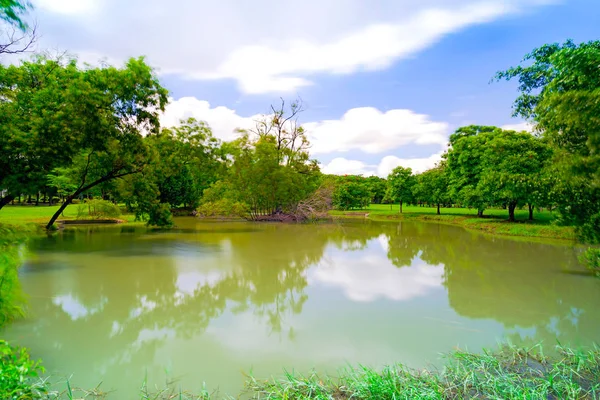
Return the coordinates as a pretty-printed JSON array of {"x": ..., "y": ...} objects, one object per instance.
[{"x": 135, "y": 291}]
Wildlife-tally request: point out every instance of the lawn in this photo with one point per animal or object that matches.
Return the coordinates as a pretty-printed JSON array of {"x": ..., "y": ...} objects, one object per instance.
[
  {"x": 23, "y": 215},
  {"x": 495, "y": 221}
]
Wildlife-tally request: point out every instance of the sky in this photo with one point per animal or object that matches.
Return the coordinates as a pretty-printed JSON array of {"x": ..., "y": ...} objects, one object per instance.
[{"x": 383, "y": 82}]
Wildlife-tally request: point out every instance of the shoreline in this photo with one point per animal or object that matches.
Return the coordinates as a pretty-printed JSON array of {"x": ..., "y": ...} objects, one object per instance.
[{"x": 490, "y": 225}]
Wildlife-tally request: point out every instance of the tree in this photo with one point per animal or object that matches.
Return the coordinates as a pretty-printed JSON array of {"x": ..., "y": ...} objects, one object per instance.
[
  {"x": 465, "y": 165},
  {"x": 18, "y": 36},
  {"x": 189, "y": 159},
  {"x": 559, "y": 89},
  {"x": 270, "y": 168},
  {"x": 513, "y": 168},
  {"x": 123, "y": 103},
  {"x": 44, "y": 120},
  {"x": 377, "y": 187},
  {"x": 432, "y": 186},
  {"x": 351, "y": 192},
  {"x": 400, "y": 185},
  {"x": 11, "y": 11}
]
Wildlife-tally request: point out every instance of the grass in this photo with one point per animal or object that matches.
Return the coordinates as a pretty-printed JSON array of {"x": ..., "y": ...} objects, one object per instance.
[
  {"x": 509, "y": 373},
  {"x": 495, "y": 221},
  {"x": 40, "y": 215}
]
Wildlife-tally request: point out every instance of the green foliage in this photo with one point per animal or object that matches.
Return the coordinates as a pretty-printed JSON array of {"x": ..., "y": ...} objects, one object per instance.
[
  {"x": 432, "y": 186},
  {"x": 98, "y": 209},
  {"x": 225, "y": 207},
  {"x": 400, "y": 185},
  {"x": 19, "y": 374},
  {"x": 160, "y": 215},
  {"x": 12, "y": 252},
  {"x": 269, "y": 168},
  {"x": 377, "y": 187},
  {"x": 12, "y": 11},
  {"x": 188, "y": 159},
  {"x": 560, "y": 92},
  {"x": 489, "y": 166},
  {"x": 591, "y": 259},
  {"x": 351, "y": 192},
  {"x": 510, "y": 373}
]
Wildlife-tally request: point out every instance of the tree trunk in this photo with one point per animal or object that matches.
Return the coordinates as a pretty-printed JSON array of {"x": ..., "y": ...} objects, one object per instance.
[
  {"x": 530, "y": 212},
  {"x": 37, "y": 199},
  {"x": 480, "y": 213},
  {"x": 438, "y": 209},
  {"x": 400, "y": 206},
  {"x": 82, "y": 189},
  {"x": 6, "y": 199},
  {"x": 511, "y": 211}
]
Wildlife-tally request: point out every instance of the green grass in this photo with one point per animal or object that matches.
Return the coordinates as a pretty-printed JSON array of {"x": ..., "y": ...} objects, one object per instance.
[
  {"x": 40, "y": 215},
  {"x": 495, "y": 221},
  {"x": 509, "y": 373}
]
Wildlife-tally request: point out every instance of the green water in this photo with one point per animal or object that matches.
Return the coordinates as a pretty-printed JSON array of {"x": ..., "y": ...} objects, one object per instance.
[{"x": 210, "y": 301}]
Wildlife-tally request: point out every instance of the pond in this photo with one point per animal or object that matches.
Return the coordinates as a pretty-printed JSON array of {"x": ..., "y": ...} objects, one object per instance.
[{"x": 210, "y": 301}]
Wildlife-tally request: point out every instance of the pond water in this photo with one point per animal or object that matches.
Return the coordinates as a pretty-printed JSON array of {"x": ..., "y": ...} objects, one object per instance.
[{"x": 209, "y": 301}]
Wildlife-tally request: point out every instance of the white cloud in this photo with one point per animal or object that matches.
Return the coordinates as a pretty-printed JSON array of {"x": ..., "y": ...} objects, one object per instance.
[
  {"x": 264, "y": 46},
  {"x": 372, "y": 277},
  {"x": 388, "y": 163},
  {"x": 343, "y": 166},
  {"x": 373, "y": 131},
  {"x": 523, "y": 126},
  {"x": 366, "y": 128},
  {"x": 68, "y": 6},
  {"x": 222, "y": 120}
]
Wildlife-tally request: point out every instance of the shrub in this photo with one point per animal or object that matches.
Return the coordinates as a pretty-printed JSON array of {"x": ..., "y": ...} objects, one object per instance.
[
  {"x": 591, "y": 259},
  {"x": 19, "y": 374},
  {"x": 160, "y": 215},
  {"x": 98, "y": 208},
  {"x": 223, "y": 208}
]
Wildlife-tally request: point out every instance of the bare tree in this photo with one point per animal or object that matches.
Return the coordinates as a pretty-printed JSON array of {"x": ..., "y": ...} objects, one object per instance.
[
  {"x": 15, "y": 41},
  {"x": 282, "y": 123}
]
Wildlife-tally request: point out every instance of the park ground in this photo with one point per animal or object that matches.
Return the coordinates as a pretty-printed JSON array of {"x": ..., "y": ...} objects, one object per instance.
[{"x": 495, "y": 221}]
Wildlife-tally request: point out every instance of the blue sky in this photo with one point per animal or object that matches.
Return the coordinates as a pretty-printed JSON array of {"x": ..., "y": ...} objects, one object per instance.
[{"x": 384, "y": 82}]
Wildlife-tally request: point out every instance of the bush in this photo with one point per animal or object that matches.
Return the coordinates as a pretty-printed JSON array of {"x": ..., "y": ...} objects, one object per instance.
[
  {"x": 591, "y": 259},
  {"x": 98, "y": 208},
  {"x": 160, "y": 215},
  {"x": 222, "y": 208},
  {"x": 19, "y": 374}
]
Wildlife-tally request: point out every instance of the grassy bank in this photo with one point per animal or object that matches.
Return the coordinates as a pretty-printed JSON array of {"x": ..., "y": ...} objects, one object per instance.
[
  {"x": 511, "y": 373},
  {"x": 40, "y": 215},
  {"x": 495, "y": 221}
]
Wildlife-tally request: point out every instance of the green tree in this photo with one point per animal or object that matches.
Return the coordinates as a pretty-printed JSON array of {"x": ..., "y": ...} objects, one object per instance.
[
  {"x": 11, "y": 11},
  {"x": 465, "y": 165},
  {"x": 400, "y": 185},
  {"x": 377, "y": 187},
  {"x": 514, "y": 167},
  {"x": 123, "y": 103},
  {"x": 351, "y": 192},
  {"x": 269, "y": 167},
  {"x": 432, "y": 186},
  {"x": 189, "y": 159},
  {"x": 559, "y": 89}
]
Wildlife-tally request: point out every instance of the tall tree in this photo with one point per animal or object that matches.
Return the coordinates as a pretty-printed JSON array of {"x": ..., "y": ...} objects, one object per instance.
[
  {"x": 465, "y": 164},
  {"x": 400, "y": 185},
  {"x": 432, "y": 186},
  {"x": 559, "y": 88},
  {"x": 123, "y": 104}
]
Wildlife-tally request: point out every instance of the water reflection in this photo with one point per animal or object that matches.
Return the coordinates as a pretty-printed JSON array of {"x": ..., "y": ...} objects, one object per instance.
[{"x": 212, "y": 299}]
